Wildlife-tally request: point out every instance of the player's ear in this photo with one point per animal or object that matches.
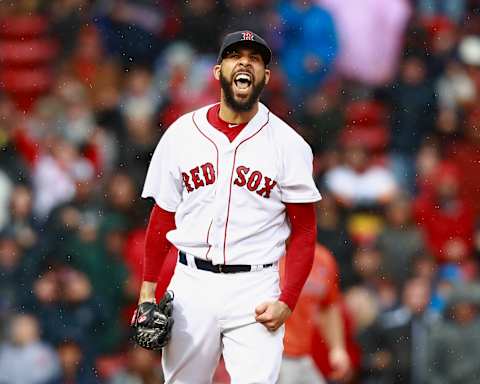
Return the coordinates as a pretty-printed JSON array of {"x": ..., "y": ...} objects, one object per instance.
[
  {"x": 267, "y": 75},
  {"x": 216, "y": 71}
]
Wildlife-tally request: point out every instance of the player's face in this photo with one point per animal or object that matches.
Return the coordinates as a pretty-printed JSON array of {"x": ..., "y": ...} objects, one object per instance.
[{"x": 242, "y": 75}]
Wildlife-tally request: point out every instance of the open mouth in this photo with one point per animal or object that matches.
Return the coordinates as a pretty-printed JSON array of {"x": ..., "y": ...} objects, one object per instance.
[{"x": 242, "y": 80}]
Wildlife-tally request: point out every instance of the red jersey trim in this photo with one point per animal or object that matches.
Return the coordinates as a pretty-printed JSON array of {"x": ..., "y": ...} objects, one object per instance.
[
  {"x": 216, "y": 149},
  {"x": 230, "y": 190},
  {"x": 213, "y": 118},
  {"x": 208, "y": 234}
]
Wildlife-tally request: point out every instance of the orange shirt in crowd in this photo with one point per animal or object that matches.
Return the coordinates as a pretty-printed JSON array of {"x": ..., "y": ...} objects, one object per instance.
[{"x": 320, "y": 291}]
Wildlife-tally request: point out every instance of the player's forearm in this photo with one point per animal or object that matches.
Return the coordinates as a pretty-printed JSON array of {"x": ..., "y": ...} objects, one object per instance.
[
  {"x": 331, "y": 324},
  {"x": 156, "y": 243},
  {"x": 300, "y": 251},
  {"x": 147, "y": 292}
]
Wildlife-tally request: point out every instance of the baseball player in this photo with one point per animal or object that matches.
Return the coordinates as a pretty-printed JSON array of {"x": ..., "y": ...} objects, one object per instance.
[{"x": 231, "y": 182}]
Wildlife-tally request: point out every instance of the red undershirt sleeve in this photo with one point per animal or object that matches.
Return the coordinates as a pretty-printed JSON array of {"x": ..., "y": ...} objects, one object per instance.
[
  {"x": 156, "y": 243},
  {"x": 300, "y": 250}
]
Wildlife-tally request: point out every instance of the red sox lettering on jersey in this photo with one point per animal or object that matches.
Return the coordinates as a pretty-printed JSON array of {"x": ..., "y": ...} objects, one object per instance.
[
  {"x": 229, "y": 196},
  {"x": 254, "y": 181}
]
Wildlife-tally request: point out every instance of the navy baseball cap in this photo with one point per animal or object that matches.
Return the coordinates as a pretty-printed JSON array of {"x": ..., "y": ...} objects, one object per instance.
[{"x": 245, "y": 38}]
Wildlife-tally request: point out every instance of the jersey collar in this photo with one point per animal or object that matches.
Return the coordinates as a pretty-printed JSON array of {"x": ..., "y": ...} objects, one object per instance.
[{"x": 253, "y": 126}]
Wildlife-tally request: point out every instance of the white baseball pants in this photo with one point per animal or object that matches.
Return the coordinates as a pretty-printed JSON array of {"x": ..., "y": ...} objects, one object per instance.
[{"x": 214, "y": 314}]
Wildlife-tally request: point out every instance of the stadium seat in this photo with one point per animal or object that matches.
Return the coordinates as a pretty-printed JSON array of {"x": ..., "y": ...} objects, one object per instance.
[
  {"x": 26, "y": 53},
  {"x": 17, "y": 27}
]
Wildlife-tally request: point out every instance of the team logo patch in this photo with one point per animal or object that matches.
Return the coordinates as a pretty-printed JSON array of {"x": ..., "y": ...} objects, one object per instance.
[{"x": 247, "y": 36}]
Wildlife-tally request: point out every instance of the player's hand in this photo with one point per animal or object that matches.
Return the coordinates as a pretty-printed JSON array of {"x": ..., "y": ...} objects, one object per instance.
[
  {"x": 340, "y": 363},
  {"x": 272, "y": 314}
]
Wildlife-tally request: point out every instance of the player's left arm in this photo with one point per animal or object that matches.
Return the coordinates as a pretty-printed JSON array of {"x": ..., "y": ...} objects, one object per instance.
[{"x": 298, "y": 263}]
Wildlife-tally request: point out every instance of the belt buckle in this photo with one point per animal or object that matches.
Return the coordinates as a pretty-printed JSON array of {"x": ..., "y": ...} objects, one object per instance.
[{"x": 220, "y": 268}]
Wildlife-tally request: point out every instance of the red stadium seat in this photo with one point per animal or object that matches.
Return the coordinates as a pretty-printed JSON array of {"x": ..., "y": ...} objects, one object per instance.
[
  {"x": 374, "y": 138},
  {"x": 16, "y": 27},
  {"x": 25, "y": 80},
  {"x": 25, "y": 85},
  {"x": 26, "y": 53},
  {"x": 365, "y": 113}
]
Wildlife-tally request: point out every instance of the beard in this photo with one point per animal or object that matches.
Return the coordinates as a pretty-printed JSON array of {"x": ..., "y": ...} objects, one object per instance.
[{"x": 243, "y": 105}]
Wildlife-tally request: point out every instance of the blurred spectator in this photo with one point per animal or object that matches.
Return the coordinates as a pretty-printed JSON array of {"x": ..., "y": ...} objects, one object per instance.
[
  {"x": 455, "y": 10},
  {"x": 121, "y": 197},
  {"x": 88, "y": 60},
  {"x": 17, "y": 271},
  {"x": 251, "y": 15},
  {"x": 185, "y": 76},
  {"x": 454, "y": 342},
  {"x": 448, "y": 277},
  {"x": 400, "y": 241},
  {"x": 68, "y": 17},
  {"x": 25, "y": 359},
  {"x": 370, "y": 36},
  {"x": 5, "y": 191},
  {"x": 333, "y": 234},
  {"x": 75, "y": 120},
  {"x": 197, "y": 25},
  {"x": 367, "y": 262},
  {"x": 139, "y": 98},
  {"x": 465, "y": 154},
  {"x": 133, "y": 31},
  {"x": 448, "y": 126},
  {"x": 141, "y": 136},
  {"x": 69, "y": 310},
  {"x": 11, "y": 164},
  {"x": 412, "y": 114},
  {"x": 364, "y": 308},
  {"x": 424, "y": 267},
  {"x": 114, "y": 291},
  {"x": 142, "y": 367},
  {"x": 54, "y": 178},
  {"x": 428, "y": 158},
  {"x": 21, "y": 221},
  {"x": 359, "y": 182},
  {"x": 72, "y": 365},
  {"x": 322, "y": 117},
  {"x": 446, "y": 218},
  {"x": 309, "y": 47},
  {"x": 440, "y": 43},
  {"x": 403, "y": 334},
  {"x": 468, "y": 51},
  {"x": 455, "y": 87}
]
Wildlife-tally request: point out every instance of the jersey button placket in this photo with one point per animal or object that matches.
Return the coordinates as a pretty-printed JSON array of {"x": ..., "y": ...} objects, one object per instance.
[{"x": 223, "y": 197}]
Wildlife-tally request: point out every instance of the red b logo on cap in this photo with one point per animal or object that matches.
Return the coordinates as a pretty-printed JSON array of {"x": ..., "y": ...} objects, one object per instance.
[{"x": 247, "y": 36}]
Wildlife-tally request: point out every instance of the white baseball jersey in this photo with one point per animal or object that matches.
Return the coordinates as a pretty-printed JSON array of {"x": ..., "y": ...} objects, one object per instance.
[{"x": 229, "y": 196}]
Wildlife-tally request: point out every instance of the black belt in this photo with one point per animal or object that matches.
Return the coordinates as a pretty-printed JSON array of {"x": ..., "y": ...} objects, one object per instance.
[{"x": 206, "y": 265}]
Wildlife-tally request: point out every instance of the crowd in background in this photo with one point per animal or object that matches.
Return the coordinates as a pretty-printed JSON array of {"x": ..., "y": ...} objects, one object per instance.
[{"x": 386, "y": 92}]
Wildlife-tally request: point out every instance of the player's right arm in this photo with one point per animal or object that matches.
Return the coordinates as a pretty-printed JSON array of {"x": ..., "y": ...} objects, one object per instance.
[{"x": 163, "y": 184}]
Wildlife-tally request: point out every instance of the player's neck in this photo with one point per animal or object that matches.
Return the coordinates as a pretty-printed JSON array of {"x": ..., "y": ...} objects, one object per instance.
[{"x": 231, "y": 116}]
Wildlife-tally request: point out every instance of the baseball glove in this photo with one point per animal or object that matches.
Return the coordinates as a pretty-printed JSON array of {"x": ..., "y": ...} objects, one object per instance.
[{"x": 152, "y": 323}]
